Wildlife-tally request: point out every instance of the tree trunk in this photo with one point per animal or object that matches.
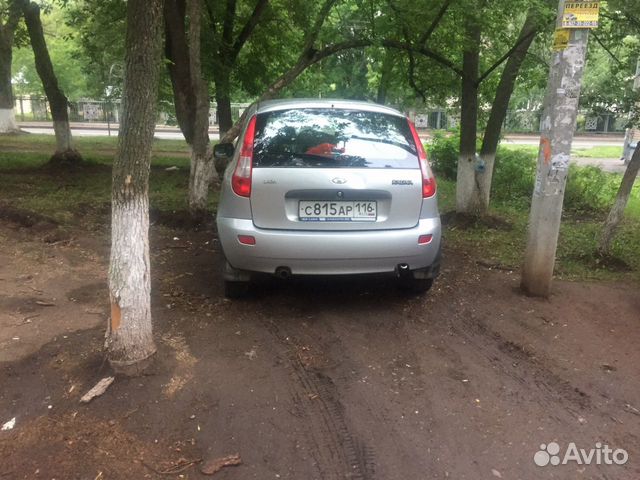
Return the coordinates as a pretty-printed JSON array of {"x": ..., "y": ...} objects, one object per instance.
[
  {"x": 467, "y": 188},
  {"x": 617, "y": 211},
  {"x": 222, "y": 80},
  {"x": 7, "y": 115},
  {"x": 129, "y": 342},
  {"x": 191, "y": 97},
  {"x": 202, "y": 171},
  {"x": 177, "y": 53},
  {"x": 500, "y": 106},
  {"x": 65, "y": 153},
  {"x": 8, "y": 122},
  {"x": 385, "y": 77}
]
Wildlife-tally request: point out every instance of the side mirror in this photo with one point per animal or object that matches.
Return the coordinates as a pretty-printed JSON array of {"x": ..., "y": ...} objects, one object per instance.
[{"x": 223, "y": 151}]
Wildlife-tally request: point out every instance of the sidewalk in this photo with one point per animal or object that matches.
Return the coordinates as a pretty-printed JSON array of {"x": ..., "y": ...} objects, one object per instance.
[{"x": 513, "y": 137}]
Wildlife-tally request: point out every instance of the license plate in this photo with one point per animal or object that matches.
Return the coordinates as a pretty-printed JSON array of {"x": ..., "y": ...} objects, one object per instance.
[{"x": 323, "y": 211}]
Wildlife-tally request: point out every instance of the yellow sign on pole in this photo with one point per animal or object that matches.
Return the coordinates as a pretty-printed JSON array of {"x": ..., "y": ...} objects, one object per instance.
[
  {"x": 561, "y": 39},
  {"x": 581, "y": 14}
]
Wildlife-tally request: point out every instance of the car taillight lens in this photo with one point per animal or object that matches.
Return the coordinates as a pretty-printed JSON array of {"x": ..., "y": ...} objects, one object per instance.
[
  {"x": 428, "y": 180},
  {"x": 241, "y": 179}
]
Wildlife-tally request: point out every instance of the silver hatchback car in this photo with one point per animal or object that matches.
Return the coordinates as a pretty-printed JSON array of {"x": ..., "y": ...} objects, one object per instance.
[{"x": 327, "y": 187}]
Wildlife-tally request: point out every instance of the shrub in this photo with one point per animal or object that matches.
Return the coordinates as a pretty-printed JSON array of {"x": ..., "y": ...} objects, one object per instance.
[
  {"x": 590, "y": 190},
  {"x": 443, "y": 154},
  {"x": 513, "y": 175}
]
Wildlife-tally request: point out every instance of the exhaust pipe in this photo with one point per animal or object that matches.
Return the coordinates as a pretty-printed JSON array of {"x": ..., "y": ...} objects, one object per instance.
[
  {"x": 283, "y": 272},
  {"x": 403, "y": 270}
]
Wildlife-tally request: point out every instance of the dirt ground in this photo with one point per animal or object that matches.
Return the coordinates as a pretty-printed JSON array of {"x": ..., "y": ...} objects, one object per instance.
[{"x": 308, "y": 379}]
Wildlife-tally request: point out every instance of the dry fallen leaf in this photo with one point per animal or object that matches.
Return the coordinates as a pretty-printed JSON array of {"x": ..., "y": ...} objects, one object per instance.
[{"x": 213, "y": 466}]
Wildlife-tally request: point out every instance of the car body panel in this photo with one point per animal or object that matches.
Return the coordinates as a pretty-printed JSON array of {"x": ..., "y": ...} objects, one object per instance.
[
  {"x": 277, "y": 192},
  {"x": 328, "y": 252}
]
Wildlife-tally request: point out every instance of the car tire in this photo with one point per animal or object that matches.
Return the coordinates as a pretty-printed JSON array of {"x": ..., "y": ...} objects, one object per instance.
[
  {"x": 415, "y": 286},
  {"x": 236, "y": 289}
]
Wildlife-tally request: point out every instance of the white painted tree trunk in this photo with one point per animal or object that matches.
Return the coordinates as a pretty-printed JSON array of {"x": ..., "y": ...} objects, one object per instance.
[
  {"x": 129, "y": 334},
  {"x": 129, "y": 342},
  {"x": 485, "y": 180},
  {"x": 202, "y": 166},
  {"x": 467, "y": 186},
  {"x": 467, "y": 199},
  {"x": 64, "y": 141},
  {"x": 201, "y": 175},
  {"x": 8, "y": 122}
]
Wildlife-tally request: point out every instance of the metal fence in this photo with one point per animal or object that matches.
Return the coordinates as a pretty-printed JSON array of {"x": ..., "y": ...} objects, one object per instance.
[
  {"x": 105, "y": 111},
  {"x": 37, "y": 109}
]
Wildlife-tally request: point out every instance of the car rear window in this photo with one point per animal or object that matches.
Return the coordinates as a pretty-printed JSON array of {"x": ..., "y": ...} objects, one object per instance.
[{"x": 333, "y": 138}]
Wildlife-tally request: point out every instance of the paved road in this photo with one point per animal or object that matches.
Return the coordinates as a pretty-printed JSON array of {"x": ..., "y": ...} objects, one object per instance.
[
  {"x": 172, "y": 133},
  {"x": 93, "y": 132},
  {"x": 100, "y": 129}
]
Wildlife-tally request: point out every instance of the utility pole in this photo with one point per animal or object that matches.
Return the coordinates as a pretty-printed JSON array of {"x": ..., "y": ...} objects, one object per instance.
[{"x": 557, "y": 129}]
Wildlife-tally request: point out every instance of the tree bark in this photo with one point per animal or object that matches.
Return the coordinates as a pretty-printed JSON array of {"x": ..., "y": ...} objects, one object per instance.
[
  {"x": 65, "y": 153},
  {"x": 177, "y": 53},
  {"x": 129, "y": 342},
  {"x": 500, "y": 106},
  {"x": 191, "y": 96},
  {"x": 467, "y": 191},
  {"x": 617, "y": 211},
  {"x": 222, "y": 81},
  {"x": 7, "y": 30},
  {"x": 385, "y": 77},
  {"x": 202, "y": 171}
]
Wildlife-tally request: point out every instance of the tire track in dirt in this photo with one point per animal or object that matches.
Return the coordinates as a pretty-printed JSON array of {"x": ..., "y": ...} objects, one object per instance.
[
  {"x": 522, "y": 367},
  {"x": 338, "y": 453}
]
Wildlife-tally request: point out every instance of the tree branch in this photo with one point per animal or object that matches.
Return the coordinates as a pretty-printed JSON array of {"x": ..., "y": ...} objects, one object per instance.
[
  {"x": 212, "y": 17},
  {"x": 227, "y": 25},
  {"x": 15, "y": 11},
  {"x": 434, "y": 24},
  {"x": 606, "y": 49},
  {"x": 506, "y": 56},
  {"x": 248, "y": 28},
  {"x": 312, "y": 36},
  {"x": 423, "y": 51},
  {"x": 412, "y": 78},
  {"x": 412, "y": 60}
]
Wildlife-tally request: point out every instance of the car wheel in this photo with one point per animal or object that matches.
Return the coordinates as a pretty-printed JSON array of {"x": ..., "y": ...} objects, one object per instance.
[
  {"x": 415, "y": 285},
  {"x": 236, "y": 289}
]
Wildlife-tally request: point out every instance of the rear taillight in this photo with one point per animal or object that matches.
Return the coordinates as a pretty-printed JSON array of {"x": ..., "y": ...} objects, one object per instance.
[
  {"x": 428, "y": 180},
  {"x": 241, "y": 179}
]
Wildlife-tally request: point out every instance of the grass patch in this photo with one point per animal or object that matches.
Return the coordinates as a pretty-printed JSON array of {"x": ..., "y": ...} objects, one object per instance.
[
  {"x": 589, "y": 195},
  {"x": 86, "y": 145},
  {"x": 599, "y": 152},
  {"x": 590, "y": 152},
  {"x": 576, "y": 257},
  {"x": 84, "y": 194},
  {"x": 531, "y": 150}
]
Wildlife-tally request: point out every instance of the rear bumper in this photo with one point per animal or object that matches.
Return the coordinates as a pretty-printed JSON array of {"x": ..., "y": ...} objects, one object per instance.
[{"x": 328, "y": 253}]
